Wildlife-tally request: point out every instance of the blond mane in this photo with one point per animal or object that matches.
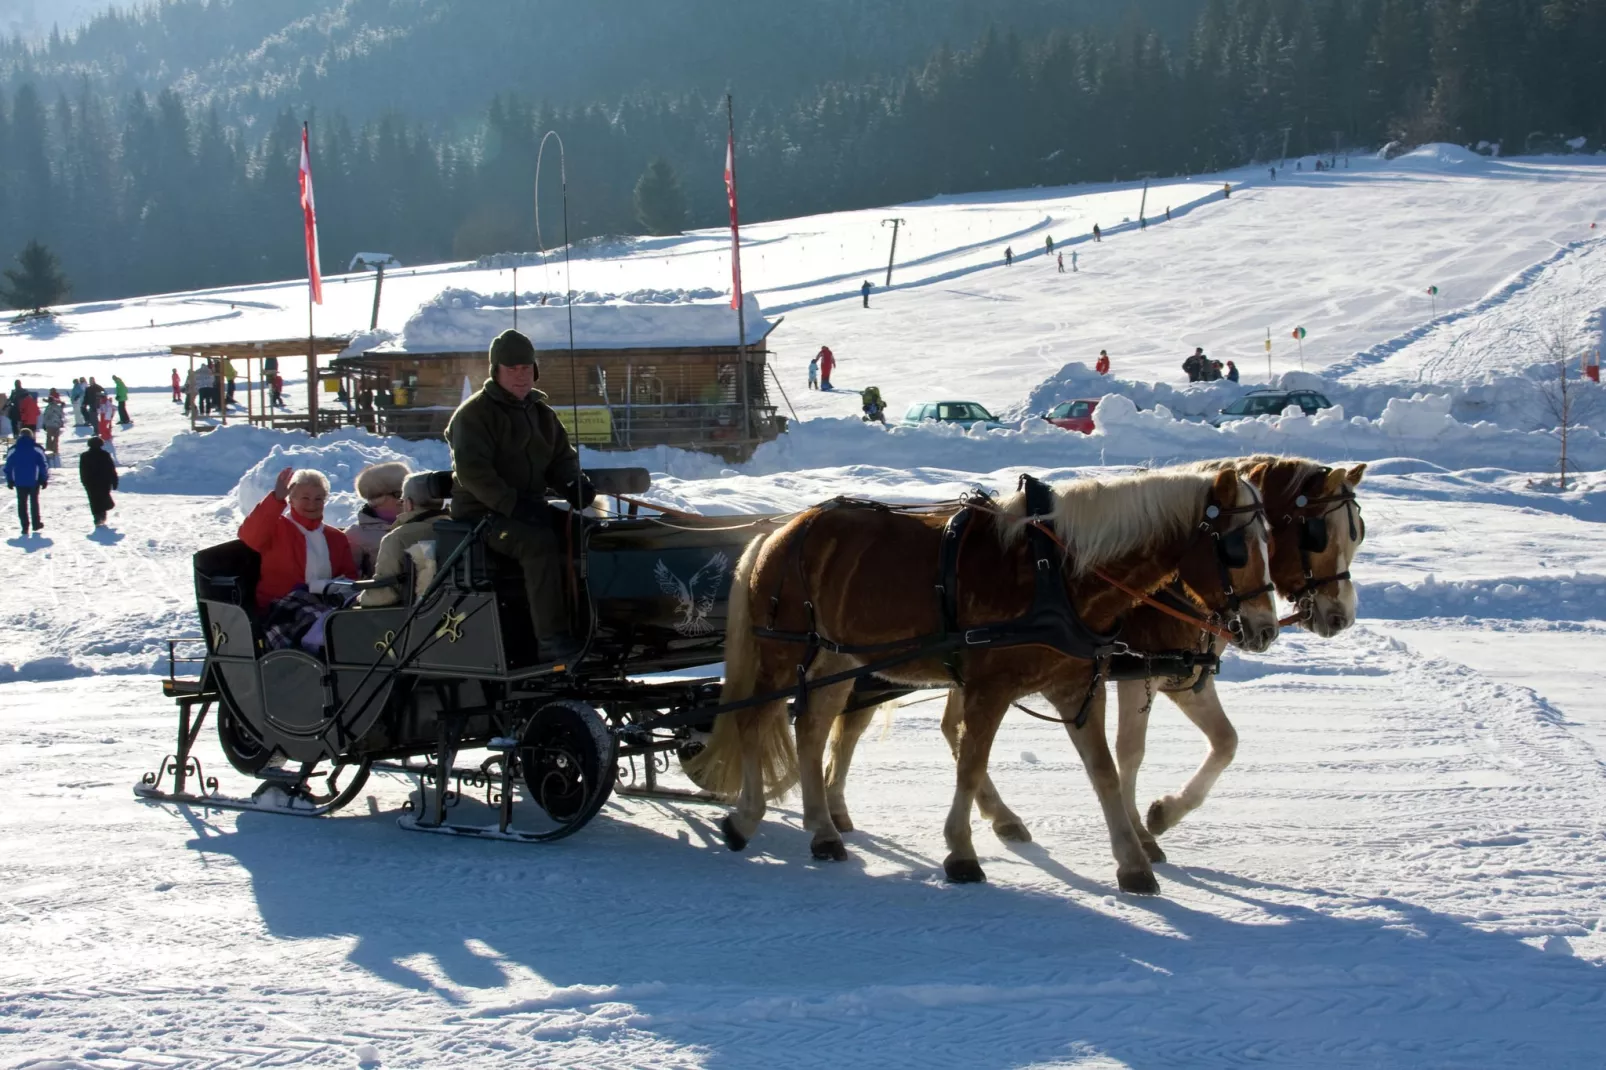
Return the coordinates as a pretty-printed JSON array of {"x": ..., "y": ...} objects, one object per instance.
[{"x": 1100, "y": 520}]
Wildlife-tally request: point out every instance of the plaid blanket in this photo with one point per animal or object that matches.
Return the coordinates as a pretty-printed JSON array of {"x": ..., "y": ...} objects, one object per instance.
[{"x": 297, "y": 620}]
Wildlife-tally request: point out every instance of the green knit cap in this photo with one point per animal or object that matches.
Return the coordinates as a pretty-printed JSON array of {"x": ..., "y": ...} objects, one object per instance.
[{"x": 511, "y": 347}]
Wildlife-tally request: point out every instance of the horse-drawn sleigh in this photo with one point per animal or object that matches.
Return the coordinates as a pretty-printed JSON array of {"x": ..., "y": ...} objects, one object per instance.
[{"x": 826, "y": 613}]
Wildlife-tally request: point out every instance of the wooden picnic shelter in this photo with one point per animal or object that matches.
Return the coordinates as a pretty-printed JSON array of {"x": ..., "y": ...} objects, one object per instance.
[{"x": 246, "y": 358}]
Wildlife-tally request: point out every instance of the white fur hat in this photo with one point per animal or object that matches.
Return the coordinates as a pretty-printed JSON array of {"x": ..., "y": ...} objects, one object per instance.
[{"x": 377, "y": 479}]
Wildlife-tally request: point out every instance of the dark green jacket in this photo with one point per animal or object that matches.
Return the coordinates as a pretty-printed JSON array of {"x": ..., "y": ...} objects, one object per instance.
[{"x": 503, "y": 448}]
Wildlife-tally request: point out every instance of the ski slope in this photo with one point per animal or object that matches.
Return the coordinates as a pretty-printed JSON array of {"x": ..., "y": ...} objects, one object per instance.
[
  {"x": 1347, "y": 254},
  {"x": 1402, "y": 868}
]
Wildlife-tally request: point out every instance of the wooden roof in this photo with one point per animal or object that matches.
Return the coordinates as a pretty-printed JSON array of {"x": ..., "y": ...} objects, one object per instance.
[{"x": 279, "y": 347}]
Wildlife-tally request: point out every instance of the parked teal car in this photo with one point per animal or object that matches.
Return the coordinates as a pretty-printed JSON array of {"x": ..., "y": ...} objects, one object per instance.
[{"x": 966, "y": 414}]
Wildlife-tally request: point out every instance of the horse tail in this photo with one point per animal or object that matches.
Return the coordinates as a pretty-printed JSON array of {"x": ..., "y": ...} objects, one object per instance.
[{"x": 718, "y": 767}]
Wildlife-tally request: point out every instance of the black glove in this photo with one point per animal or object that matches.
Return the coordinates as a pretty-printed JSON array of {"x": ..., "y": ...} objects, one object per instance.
[
  {"x": 580, "y": 493},
  {"x": 528, "y": 510}
]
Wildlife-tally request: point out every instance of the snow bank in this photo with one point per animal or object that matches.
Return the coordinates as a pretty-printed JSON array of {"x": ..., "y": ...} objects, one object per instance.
[
  {"x": 1436, "y": 156},
  {"x": 1512, "y": 401},
  {"x": 340, "y": 457},
  {"x": 462, "y": 320},
  {"x": 1580, "y": 596}
]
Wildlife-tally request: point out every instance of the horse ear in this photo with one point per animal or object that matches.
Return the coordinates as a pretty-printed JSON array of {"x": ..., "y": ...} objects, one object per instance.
[
  {"x": 1225, "y": 488},
  {"x": 1355, "y": 474},
  {"x": 1257, "y": 475},
  {"x": 1335, "y": 479}
]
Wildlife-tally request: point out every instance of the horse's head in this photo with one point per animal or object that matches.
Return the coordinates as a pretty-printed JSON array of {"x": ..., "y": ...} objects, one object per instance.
[
  {"x": 1316, "y": 530},
  {"x": 1227, "y": 566}
]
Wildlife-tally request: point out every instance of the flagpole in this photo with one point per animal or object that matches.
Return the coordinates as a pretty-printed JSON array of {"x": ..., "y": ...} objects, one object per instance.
[
  {"x": 736, "y": 265},
  {"x": 314, "y": 282}
]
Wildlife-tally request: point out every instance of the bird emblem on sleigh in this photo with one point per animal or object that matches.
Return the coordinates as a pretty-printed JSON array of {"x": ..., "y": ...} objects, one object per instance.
[{"x": 694, "y": 598}]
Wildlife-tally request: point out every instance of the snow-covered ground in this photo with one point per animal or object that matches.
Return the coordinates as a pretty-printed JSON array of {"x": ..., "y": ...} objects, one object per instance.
[{"x": 1403, "y": 867}]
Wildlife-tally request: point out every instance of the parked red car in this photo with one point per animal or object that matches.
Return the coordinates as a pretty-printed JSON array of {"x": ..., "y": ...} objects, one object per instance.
[{"x": 1073, "y": 415}]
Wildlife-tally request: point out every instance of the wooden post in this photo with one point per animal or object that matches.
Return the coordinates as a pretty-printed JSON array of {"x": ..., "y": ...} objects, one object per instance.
[{"x": 222, "y": 393}]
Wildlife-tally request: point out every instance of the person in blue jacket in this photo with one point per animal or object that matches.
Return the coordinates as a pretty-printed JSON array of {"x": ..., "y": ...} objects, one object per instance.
[{"x": 27, "y": 472}]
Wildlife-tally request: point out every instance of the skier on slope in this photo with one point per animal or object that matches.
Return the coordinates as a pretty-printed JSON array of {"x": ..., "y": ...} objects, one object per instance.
[
  {"x": 1103, "y": 364},
  {"x": 827, "y": 365},
  {"x": 1048, "y": 240},
  {"x": 1009, "y": 256},
  {"x": 1096, "y": 235},
  {"x": 814, "y": 372},
  {"x": 1061, "y": 260}
]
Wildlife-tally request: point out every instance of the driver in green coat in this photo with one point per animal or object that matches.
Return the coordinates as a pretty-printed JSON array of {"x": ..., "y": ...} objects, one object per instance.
[{"x": 509, "y": 453}]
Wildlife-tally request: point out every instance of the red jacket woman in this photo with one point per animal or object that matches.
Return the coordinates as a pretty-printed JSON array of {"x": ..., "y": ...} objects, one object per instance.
[{"x": 297, "y": 547}]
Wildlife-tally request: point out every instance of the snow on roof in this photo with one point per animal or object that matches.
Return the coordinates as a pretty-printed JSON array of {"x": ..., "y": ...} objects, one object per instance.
[{"x": 461, "y": 321}]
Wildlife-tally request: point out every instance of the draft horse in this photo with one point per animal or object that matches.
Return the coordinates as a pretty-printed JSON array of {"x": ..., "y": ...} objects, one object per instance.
[
  {"x": 848, "y": 584},
  {"x": 1315, "y": 529}
]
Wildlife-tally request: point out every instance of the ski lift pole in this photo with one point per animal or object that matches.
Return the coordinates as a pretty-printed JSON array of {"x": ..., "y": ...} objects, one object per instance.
[
  {"x": 1268, "y": 356},
  {"x": 896, "y": 223}
]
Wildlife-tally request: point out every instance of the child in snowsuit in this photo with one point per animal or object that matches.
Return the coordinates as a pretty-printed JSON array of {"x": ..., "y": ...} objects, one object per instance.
[
  {"x": 814, "y": 372},
  {"x": 54, "y": 419}
]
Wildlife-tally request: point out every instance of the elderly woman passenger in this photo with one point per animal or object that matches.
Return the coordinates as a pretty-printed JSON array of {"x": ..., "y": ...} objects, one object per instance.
[
  {"x": 413, "y": 536},
  {"x": 380, "y": 488},
  {"x": 300, "y": 556}
]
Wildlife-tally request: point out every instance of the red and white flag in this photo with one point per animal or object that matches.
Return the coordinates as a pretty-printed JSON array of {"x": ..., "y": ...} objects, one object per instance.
[
  {"x": 736, "y": 236},
  {"x": 310, "y": 218}
]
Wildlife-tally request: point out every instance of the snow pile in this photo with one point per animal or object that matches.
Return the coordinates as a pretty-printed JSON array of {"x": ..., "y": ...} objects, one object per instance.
[
  {"x": 208, "y": 464},
  {"x": 462, "y": 320},
  {"x": 340, "y": 457},
  {"x": 1520, "y": 402},
  {"x": 1579, "y": 596},
  {"x": 1437, "y": 156}
]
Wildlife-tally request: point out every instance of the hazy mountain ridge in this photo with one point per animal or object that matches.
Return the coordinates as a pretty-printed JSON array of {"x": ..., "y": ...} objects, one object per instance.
[{"x": 439, "y": 61}]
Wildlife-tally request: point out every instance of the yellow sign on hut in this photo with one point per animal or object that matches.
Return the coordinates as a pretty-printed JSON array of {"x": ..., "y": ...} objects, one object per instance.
[{"x": 596, "y": 424}]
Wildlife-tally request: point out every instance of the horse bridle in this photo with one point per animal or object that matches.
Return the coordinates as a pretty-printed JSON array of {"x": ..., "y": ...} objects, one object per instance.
[
  {"x": 1232, "y": 551},
  {"x": 1312, "y": 534}
]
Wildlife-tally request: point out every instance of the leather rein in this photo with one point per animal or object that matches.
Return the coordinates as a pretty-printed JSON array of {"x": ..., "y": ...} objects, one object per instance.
[{"x": 1204, "y": 622}]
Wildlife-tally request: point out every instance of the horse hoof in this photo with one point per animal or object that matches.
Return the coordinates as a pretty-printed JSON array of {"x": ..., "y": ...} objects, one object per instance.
[
  {"x": 964, "y": 871},
  {"x": 829, "y": 851},
  {"x": 1155, "y": 852},
  {"x": 733, "y": 839},
  {"x": 1141, "y": 882},
  {"x": 1157, "y": 820},
  {"x": 1013, "y": 832},
  {"x": 842, "y": 822}
]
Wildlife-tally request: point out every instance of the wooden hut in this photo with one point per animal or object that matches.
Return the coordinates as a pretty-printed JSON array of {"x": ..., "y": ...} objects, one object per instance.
[{"x": 638, "y": 374}]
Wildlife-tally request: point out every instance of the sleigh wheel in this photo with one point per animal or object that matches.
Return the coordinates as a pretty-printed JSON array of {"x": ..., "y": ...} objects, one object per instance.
[
  {"x": 336, "y": 786},
  {"x": 567, "y": 756},
  {"x": 241, "y": 747}
]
